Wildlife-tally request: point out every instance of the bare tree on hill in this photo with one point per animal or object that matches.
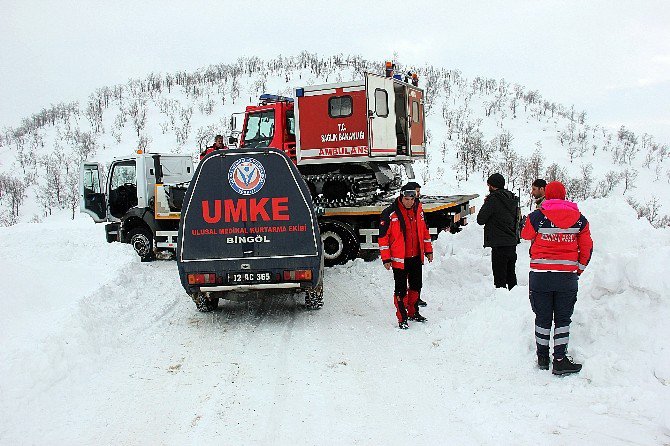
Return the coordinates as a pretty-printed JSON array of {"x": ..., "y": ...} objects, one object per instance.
[{"x": 629, "y": 176}]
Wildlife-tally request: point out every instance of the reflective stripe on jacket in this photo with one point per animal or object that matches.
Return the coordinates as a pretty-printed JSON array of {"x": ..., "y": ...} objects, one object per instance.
[{"x": 560, "y": 238}]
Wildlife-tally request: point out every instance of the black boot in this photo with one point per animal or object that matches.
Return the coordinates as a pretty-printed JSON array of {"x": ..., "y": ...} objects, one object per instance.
[
  {"x": 421, "y": 303},
  {"x": 543, "y": 362},
  {"x": 565, "y": 366},
  {"x": 417, "y": 317},
  {"x": 403, "y": 324}
]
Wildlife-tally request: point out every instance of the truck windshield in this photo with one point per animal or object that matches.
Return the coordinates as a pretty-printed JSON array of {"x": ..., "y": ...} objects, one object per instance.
[{"x": 260, "y": 129}]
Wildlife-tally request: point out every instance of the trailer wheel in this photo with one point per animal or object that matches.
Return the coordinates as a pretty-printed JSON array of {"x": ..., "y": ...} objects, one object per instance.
[
  {"x": 369, "y": 255},
  {"x": 339, "y": 243},
  {"x": 142, "y": 242},
  {"x": 204, "y": 304},
  {"x": 314, "y": 297}
]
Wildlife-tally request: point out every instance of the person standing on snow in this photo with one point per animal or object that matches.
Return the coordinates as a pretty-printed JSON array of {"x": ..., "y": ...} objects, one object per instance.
[
  {"x": 538, "y": 191},
  {"x": 417, "y": 204},
  {"x": 499, "y": 216},
  {"x": 560, "y": 249},
  {"x": 404, "y": 240}
]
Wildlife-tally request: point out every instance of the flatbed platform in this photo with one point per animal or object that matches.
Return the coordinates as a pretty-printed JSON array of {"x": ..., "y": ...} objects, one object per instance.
[{"x": 430, "y": 203}]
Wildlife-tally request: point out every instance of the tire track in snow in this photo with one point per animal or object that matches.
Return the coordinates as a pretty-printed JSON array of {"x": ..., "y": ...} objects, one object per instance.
[{"x": 254, "y": 324}]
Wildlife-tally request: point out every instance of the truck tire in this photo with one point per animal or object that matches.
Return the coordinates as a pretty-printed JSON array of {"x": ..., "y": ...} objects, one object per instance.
[
  {"x": 203, "y": 304},
  {"x": 369, "y": 255},
  {"x": 142, "y": 241},
  {"x": 314, "y": 297},
  {"x": 339, "y": 242}
]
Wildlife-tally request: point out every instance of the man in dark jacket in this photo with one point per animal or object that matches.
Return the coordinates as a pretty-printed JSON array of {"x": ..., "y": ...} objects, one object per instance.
[
  {"x": 560, "y": 249},
  {"x": 499, "y": 216}
]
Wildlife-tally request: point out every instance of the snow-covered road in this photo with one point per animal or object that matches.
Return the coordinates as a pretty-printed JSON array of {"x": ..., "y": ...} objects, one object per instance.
[{"x": 98, "y": 348}]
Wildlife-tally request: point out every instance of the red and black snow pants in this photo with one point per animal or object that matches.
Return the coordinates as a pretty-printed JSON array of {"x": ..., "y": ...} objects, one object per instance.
[{"x": 408, "y": 283}]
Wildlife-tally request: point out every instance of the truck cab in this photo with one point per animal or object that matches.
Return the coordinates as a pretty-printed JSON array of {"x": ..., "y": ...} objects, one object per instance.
[
  {"x": 127, "y": 199},
  {"x": 271, "y": 123}
]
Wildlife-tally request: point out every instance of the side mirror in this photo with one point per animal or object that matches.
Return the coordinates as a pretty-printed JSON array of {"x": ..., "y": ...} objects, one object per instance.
[{"x": 232, "y": 140}]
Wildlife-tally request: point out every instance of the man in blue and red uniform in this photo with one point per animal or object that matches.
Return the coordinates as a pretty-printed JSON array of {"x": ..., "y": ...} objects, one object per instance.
[
  {"x": 560, "y": 249},
  {"x": 404, "y": 240}
]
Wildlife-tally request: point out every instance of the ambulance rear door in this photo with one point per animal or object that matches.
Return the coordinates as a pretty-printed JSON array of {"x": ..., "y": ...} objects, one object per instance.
[
  {"x": 417, "y": 128},
  {"x": 381, "y": 116}
]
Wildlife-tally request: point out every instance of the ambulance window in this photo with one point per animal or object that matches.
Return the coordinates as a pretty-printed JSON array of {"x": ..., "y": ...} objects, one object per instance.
[
  {"x": 415, "y": 111},
  {"x": 340, "y": 106},
  {"x": 381, "y": 103}
]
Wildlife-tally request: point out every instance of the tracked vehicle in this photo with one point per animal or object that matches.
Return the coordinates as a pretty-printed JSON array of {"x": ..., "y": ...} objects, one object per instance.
[{"x": 344, "y": 137}]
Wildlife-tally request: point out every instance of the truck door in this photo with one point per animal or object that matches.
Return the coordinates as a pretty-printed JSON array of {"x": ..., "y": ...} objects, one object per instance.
[
  {"x": 92, "y": 200},
  {"x": 381, "y": 115},
  {"x": 122, "y": 188},
  {"x": 416, "y": 123}
]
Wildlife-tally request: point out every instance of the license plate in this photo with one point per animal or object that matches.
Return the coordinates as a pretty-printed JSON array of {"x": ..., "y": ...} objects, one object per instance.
[{"x": 249, "y": 277}]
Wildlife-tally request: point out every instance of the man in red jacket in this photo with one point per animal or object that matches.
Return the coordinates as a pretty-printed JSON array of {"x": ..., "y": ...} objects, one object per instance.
[
  {"x": 218, "y": 145},
  {"x": 417, "y": 204},
  {"x": 404, "y": 240},
  {"x": 560, "y": 249}
]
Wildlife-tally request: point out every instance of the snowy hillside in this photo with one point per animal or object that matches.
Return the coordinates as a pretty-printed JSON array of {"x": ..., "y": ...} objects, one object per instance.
[
  {"x": 98, "y": 348},
  {"x": 475, "y": 126}
]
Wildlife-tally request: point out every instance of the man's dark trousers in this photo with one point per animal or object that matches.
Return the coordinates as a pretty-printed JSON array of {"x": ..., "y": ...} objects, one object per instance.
[
  {"x": 503, "y": 261},
  {"x": 552, "y": 296},
  {"x": 409, "y": 278}
]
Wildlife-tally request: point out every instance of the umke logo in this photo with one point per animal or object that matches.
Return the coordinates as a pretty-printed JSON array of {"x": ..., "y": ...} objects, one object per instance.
[{"x": 246, "y": 176}]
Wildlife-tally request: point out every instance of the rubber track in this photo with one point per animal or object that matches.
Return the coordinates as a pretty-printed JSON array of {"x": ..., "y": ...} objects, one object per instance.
[{"x": 363, "y": 189}]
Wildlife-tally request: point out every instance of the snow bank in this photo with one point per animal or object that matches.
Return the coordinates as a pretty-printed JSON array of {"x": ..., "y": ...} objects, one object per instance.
[
  {"x": 619, "y": 328},
  {"x": 86, "y": 323}
]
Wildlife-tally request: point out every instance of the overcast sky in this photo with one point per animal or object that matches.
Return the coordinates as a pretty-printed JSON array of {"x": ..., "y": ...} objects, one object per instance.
[{"x": 610, "y": 58}]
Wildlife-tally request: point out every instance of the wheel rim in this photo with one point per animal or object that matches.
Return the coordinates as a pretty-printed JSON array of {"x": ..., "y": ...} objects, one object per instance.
[
  {"x": 140, "y": 244},
  {"x": 333, "y": 245}
]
